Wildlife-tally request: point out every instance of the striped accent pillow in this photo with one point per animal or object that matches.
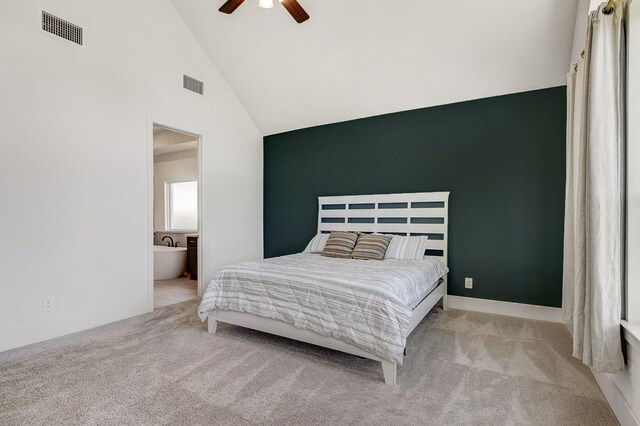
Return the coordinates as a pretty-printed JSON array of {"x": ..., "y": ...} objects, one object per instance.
[
  {"x": 406, "y": 248},
  {"x": 340, "y": 244},
  {"x": 371, "y": 247},
  {"x": 317, "y": 243}
]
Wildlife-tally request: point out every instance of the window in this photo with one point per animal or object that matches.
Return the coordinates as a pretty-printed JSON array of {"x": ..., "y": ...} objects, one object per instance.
[{"x": 181, "y": 204}]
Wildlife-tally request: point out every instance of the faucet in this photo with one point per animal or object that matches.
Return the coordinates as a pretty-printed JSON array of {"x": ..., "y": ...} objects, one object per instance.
[{"x": 170, "y": 244}]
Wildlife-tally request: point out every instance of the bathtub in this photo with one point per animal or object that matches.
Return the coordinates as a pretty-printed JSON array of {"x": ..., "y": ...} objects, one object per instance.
[{"x": 168, "y": 262}]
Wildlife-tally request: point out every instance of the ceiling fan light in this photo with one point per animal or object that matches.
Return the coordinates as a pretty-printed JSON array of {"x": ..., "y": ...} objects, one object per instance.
[{"x": 265, "y": 4}]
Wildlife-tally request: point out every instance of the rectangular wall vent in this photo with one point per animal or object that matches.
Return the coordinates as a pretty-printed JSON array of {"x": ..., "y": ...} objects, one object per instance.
[
  {"x": 61, "y": 28},
  {"x": 192, "y": 84}
]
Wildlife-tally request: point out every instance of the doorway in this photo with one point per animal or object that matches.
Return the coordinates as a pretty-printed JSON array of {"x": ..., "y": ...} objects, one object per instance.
[{"x": 176, "y": 215}]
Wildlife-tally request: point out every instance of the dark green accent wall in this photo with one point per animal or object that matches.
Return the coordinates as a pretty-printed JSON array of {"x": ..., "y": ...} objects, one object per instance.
[{"x": 502, "y": 159}]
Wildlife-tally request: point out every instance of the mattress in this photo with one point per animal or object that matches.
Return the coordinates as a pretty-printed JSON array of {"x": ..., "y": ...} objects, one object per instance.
[{"x": 364, "y": 303}]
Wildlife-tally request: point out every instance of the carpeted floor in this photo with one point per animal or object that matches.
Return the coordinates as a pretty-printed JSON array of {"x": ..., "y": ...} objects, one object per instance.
[{"x": 462, "y": 368}]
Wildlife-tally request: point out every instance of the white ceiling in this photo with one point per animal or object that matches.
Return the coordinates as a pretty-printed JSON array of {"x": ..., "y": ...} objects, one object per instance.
[{"x": 358, "y": 58}]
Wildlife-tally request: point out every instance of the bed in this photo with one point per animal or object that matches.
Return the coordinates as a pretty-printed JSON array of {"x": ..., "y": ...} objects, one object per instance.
[{"x": 362, "y": 307}]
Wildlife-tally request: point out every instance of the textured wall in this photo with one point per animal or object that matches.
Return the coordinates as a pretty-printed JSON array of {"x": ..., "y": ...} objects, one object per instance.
[{"x": 502, "y": 158}]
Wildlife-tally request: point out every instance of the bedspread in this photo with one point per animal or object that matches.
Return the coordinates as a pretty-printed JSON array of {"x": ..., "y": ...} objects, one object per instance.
[{"x": 362, "y": 302}]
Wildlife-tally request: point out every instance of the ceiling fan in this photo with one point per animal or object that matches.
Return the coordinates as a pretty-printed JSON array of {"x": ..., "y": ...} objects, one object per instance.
[{"x": 292, "y": 6}]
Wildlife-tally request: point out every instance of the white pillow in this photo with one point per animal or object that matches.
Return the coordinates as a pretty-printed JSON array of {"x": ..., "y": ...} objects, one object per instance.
[
  {"x": 406, "y": 248},
  {"x": 317, "y": 243}
]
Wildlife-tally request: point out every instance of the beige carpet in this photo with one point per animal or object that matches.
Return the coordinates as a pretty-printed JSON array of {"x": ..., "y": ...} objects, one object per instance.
[{"x": 462, "y": 368}]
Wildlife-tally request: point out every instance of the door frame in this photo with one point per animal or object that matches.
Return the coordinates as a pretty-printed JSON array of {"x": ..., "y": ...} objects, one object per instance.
[{"x": 181, "y": 127}]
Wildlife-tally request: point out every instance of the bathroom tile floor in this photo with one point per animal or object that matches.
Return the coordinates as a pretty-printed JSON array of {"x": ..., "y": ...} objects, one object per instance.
[{"x": 168, "y": 292}]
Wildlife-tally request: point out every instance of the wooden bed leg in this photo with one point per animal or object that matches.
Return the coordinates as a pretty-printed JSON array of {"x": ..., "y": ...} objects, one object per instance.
[
  {"x": 389, "y": 371},
  {"x": 212, "y": 325}
]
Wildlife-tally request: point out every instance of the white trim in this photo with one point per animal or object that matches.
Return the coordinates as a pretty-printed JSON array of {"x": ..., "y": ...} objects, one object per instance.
[
  {"x": 38, "y": 333},
  {"x": 614, "y": 396},
  {"x": 616, "y": 399},
  {"x": 631, "y": 333},
  {"x": 518, "y": 310}
]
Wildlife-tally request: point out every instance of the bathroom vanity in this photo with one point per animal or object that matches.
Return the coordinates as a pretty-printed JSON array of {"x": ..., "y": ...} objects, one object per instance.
[{"x": 192, "y": 256}]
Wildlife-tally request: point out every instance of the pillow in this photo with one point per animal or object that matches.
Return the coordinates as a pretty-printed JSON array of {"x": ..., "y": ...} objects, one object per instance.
[
  {"x": 406, "y": 248},
  {"x": 340, "y": 244},
  {"x": 317, "y": 243},
  {"x": 371, "y": 247}
]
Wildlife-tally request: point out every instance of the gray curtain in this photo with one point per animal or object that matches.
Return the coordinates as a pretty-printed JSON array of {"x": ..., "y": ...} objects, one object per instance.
[{"x": 594, "y": 212}]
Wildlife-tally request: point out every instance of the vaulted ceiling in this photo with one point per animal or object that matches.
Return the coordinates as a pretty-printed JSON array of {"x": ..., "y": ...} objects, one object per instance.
[{"x": 358, "y": 58}]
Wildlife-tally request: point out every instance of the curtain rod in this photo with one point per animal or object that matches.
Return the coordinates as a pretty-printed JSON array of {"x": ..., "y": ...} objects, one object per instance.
[{"x": 607, "y": 10}]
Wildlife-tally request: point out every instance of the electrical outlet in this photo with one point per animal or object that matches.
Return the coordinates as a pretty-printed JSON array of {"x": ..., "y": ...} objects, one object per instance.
[
  {"x": 48, "y": 304},
  {"x": 468, "y": 283}
]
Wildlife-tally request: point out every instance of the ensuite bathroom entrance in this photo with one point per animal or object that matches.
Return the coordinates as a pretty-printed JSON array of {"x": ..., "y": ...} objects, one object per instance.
[{"x": 175, "y": 216}]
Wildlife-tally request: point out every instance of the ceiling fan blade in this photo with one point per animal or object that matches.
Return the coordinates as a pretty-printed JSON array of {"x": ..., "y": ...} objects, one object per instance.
[
  {"x": 230, "y": 6},
  {"x": 294, "y": 8}
]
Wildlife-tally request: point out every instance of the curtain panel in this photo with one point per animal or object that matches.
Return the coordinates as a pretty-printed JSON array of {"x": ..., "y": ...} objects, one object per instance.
[{"x": 594, "y": 238}]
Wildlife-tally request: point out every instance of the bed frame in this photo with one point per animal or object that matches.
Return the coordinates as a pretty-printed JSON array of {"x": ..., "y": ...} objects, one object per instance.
[{"x": 422, "y": 213}]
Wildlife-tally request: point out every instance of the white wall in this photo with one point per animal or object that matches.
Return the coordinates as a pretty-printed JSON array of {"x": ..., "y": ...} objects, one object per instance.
[
  {"x": 622, "y": 390},
  {"x": 173, "y": 167},
  {"x": 580, "y": 30},
  {"x": 75, "y": 222}
]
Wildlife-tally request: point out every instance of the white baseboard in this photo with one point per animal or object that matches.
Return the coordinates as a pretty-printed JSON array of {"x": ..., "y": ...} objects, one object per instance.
[
  {"x": 616, "y": 399},
  {"x": 519, "y": 310},
  {"x": 33, "y": 334}
]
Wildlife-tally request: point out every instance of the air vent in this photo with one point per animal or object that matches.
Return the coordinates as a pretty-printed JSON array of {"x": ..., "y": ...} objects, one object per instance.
[
  {"x": 192, "y": 84},
  {"x": 61, "y": 28}
]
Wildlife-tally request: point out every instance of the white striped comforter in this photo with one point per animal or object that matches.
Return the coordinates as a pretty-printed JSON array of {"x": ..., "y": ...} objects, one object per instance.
[{"x": 364, "y": 303}]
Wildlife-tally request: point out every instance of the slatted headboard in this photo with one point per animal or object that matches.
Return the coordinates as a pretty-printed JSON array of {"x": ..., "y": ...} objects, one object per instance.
[{"x": 419, "y": 213}]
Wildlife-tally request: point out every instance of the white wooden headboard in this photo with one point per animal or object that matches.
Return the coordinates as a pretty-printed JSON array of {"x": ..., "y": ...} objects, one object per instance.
[{"x": 418, "y": 213}]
